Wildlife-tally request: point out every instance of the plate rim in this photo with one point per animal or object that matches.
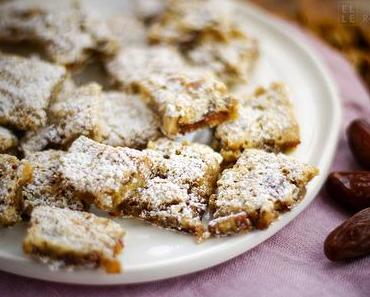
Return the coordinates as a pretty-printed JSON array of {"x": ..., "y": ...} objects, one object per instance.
[{"x": 282, "y": 29}]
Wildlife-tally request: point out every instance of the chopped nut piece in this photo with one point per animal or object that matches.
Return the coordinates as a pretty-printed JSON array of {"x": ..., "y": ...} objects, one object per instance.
[
  {"x": 60, "y": 27},
  {"x": 128, "y": 121},
  {"x": 76, "y": 114},
  {"x": 8, "y": 140},
  {"x": 102, "y": 173},
  {"x": 176, "y": 195},
  {"x": 26, "y": 87},
  {"x": 254, "y": 191},
  {"x": 46, "y": 187},
  {"x": 188, "y": 101},
  {"x": 148, "y": 10},
  {"x": 75, "y": 238},
  {"x": 14, "y": 174},
  {"x": 266, "y": 120},
  {"x": 132, "y": 65}
]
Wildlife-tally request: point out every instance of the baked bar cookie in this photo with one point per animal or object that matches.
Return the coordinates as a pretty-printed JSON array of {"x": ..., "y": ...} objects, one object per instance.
[
  {"x": 254, "y": 191},
  {"x": 46, "y": 187},
  {"x": 232, "y": 61},
  {"x": 176, "y": 195},
  {"x": 26, "y": 87},
  {"x": 128, "y": 121},
  {"x": 103, "y": 174},
  {"x": 187, "y": 101},
  {"x": 185, "y": 22},
  {"x": 76, "y": 113},
  {"x": 14, "y": 174},
  {"x": 133, "y": 64},
  {"x": 8, "y": 140},
  {"x": 266, "y": 120},
  {"x": 74, "y": 238},
  {"x": 128, "y": 30},
  {"x": 61, "y": 28}
]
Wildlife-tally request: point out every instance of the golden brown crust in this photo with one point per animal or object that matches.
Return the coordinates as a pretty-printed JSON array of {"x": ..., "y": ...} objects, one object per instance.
[
  {"x": 266, "y": 120},
  {"x": 74, "y": 238},
  {"x": 14, "y": 174},
  {"x": 255, "y": 190}
]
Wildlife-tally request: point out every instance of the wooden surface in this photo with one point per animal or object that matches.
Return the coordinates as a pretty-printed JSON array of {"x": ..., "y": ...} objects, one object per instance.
[{"x": 344, "y": 24}]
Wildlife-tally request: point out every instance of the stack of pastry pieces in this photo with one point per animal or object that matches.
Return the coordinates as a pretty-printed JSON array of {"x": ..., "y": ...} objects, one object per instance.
[{"x": 84, "y": 147}]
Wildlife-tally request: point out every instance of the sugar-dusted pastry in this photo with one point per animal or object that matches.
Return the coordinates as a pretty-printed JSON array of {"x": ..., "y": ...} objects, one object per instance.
[
  {"x": 127, "y": 120},
  {"x": 232, "y": 61},
  {"x": 185, "y": 22},
  {"x": 74, "y": 114},
  {"x": 188, "y": 100},
  {"x": 26, "y": 88},
  {"x": 14, "y": 174},
  {"x": 128, "y": 30},
  {"x": 266, "y": 120},
  {"x": 8, "y": 140},
  {"x": 103, "y": 174},
  {"x": 254, "y": 191},
  {"x": 74, "y": 238},
  {"x": 148, "y": 10},
  {"x": 176, "y": 195},
  {"x": 61, "y": 28},
  {"x": 46, "y": 187},
  {"x": 133, "y": 64}
]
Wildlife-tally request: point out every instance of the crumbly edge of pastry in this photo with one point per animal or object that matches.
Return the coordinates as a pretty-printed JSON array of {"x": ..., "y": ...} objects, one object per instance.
[
  {"x": 74, "y": 114},
  {"x": 75, "y": 238},
  {"x": 14, "y": 175},
  {"x": 8, "y": 140},
  {"x": 175, "y": 196},
  {"x": 266, "y": 120},
  {"x": 46, "y": 187},
  {"x": 188, "y": 101},
  {"x": 103, "y": 174},
  {"x": 27, "y": 87},
  {"x": 256, "y": 190},
  {"x": 128, "y": 121}
]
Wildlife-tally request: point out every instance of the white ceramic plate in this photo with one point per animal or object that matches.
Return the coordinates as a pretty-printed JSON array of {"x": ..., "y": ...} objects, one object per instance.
[{"x": 152, "y": 253}]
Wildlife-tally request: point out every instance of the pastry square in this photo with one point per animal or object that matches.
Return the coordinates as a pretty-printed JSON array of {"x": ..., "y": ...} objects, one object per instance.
[
  {"x": 133, "y": 64},
  {"x": 232, "y": 61},
  {"x": 185, "y": 22},
  {"x": 193, "y": 165},
  {"x": 61, "y": 28},
  {"x": 76, "y": 113},
  {"x": 176, "y": 195},
  {"x": 188, "y": 100},
  {"x": 266, "y": 120},
  {"x": 128, "y": 30},
  {"x": 14, "y": 174},
  {"x": 254, "y": 191},
  {"x": 46, "y": 187},
  {"x": 26, "y": 88},
  {"x": 8, "y": 140},
  {"x": 128, "y": 121},
  {"x": 74, "y": 238},
  {"x": 103, "y": 174}
]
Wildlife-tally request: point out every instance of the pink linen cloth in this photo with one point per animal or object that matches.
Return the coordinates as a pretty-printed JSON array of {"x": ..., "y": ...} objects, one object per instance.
[{"x": 291, "y": 263}]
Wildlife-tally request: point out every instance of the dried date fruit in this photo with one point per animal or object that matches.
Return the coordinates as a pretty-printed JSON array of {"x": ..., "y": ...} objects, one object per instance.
[
  {"x": 358, "y": 134},
  {"x": 351, "y": 239},
  {"x": 351, "y": 189}
]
